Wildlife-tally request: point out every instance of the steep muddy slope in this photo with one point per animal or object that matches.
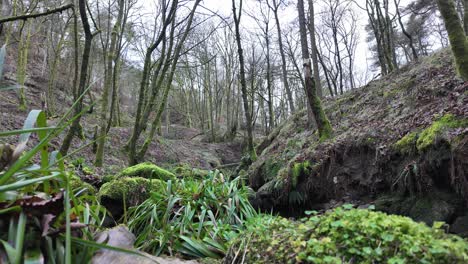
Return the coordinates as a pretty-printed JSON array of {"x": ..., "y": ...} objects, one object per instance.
[{"x": 400, "y": 142}]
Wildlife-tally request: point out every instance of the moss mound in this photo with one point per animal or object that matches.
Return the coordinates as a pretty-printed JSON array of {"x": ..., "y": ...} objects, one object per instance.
[
  {"x": 346, "y": 235},
  {"x": 78, "y": 185},
  {"x": 421, "y": 141},
  {"x": 128, "y": 191},
  {"x": 147, "y": 170},
  {"x": 186, "y": 171}
]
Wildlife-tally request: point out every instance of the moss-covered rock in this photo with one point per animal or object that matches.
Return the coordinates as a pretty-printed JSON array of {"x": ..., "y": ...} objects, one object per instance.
[
  {"x": 78, "y": 185},
  {"x": 346, "y": 236},
  {"x": 186, "y": 171},
  {"x": 147, "y": 170},
  {"x": 438, "y": 206},
  {"x": 127, "y": 191}
]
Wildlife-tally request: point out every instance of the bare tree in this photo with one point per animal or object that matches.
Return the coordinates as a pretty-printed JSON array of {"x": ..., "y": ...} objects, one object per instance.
[{"x": 237, "y": 16}]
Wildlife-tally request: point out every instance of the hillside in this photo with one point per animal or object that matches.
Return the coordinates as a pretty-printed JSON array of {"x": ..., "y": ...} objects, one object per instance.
[{"x": 400, "y": 143}]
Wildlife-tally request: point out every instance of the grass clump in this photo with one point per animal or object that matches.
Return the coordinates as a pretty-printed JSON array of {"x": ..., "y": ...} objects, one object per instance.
[
  {"x": 147, "y": 170},
  {"x": 346, "y": 235},
  {"x": 191, "y": 217}
]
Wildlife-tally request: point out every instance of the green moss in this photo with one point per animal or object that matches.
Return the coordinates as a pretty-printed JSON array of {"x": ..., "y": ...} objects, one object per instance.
[
  {"x": 429, "y": 135},
  {"x": 298, "y": 170},
  {"x": 147, "y": 170},
  {"x": 77, "y": 184},
  {"x": 134, "y": 189},
  {"x": 407, "y": 144},
  {"x": 347, "y": 235}
]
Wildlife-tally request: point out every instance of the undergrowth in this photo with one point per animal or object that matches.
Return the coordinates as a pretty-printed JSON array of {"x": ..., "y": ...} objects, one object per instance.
[
  {"x": 346, "y": 235},
  {"x": 192, "y": 217}
]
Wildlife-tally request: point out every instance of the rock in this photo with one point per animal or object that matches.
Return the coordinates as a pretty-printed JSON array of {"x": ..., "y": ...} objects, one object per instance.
[
  {"x": 121, "y": 237},
  {"x": 429, "y": 210},
  {"x": 460, "y": 226},
  {"x": 437, "y": 206}
]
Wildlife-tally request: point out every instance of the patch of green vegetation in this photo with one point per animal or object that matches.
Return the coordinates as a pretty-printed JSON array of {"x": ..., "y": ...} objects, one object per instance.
[
  {"x": 272, "y": 167},
  {"x": 347, "y": 235},
  {"x": 391, "y": 93},
  {"x": 192, "y": 217},
  {"x": 420, "y": 141},
  {"x": 131, "y": 190},
  {"x": 429, "y": 135},
  {"x": 147, "y": 170},
  {"x": 407, "y": 144},
  {"x": 299, "y": 169}
]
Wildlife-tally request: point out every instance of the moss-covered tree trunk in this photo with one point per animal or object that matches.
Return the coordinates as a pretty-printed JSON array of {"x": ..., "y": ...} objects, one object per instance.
[
  {"x": 456, "y": 35},
  {"x": 323, "y": 124}
]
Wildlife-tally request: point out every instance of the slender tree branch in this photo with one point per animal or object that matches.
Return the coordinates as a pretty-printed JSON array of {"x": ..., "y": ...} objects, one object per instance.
[{"x": 28, "y": 16}]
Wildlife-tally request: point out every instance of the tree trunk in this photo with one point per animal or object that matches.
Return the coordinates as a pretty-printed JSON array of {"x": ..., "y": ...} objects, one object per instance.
[
  {"x": 456, "y": 35},
  {"x": 248, "y": 117},
  {"x": 465, "y": 16},
  {"x": 111, "y": 68},
  {"x": 75, "y": 128},
  {"x": 323, "y": 125},
  {"x": 313, "y": 43},
  {"x": 283, "y": 59},
  {"x": 403, "y": 29}
]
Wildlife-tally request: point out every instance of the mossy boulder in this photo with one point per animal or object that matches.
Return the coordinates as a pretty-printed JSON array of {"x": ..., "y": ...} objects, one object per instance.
[
  {"x": 127, "y": 191},
  {"x": 78, "y": 185},
  {"x": 345, "y": 235},
  {"x": 147, "y": 170},
  {"x": 428, "y": 208},
  {"x": 186, "y": 171}
]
